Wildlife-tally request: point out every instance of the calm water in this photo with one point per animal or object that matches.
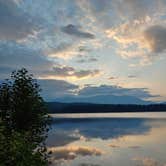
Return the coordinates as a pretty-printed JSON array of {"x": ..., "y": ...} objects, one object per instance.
[{"x": 124, "y": 139}]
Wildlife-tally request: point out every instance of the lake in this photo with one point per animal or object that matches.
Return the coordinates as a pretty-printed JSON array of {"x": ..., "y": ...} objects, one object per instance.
[{"x": 112, "y": 139}]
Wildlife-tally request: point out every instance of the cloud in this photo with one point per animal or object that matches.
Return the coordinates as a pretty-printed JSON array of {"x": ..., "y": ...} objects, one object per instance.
[
  {"x": 134, "y": 147},
  {"x": 134, "y": 9},
  {"x": 115, "y": 90},
  {"x": 71, "y": 152},
  {"x": 140, "y": 30},
  {"x": 62, "y": 138},
  {"x": 110, "y": 94},
  {"x": 47, "y": 32},
  {"x": 15, "y": 24},
  {"x": 88, "y": 164},
  {"x": 112, "y": 78},
  {"x": 56, "y": 88},
  {"x": 156, "y": 37},
  {"x": 68, "y": 50},
  {"x": 87, "y": 60},
  {"x": 14, "y": 56},
  {"x": 85, "y": 73},
  {"x": 130, "y": 37},
  {"x": 114, "y": 146},
  {"x": 146, "y": 161},
  {"x": 132, "y": 76},
  {"x": 61, "y": 50},
  {"x": 139, "y": 40},
  {"x": 118, "y": 127},
  {"x": 68, "y": 71},
  {"x": 75, "y": 31},
  {"x": 106, "y": 14},
  {"x": 84, "y": 49}
]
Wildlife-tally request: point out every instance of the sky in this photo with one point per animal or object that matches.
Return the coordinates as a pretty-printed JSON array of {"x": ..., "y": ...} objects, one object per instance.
[{"x": 87, "y": 48}]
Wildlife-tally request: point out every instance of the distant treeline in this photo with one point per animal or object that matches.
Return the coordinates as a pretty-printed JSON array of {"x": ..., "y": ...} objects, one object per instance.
[{"x": 55, "y": 107}]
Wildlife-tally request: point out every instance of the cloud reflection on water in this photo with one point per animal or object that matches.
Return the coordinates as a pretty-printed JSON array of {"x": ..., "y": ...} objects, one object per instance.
[
  {"x": 74, "y": 139},
  {"x": 146, "y": 161},
  {"x": 68, "y": 153},
  {"x": 103, "y": 128}
]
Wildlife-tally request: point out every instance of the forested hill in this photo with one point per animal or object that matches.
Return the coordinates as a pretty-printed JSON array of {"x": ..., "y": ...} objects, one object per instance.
[{"x": 55, "y": 107}]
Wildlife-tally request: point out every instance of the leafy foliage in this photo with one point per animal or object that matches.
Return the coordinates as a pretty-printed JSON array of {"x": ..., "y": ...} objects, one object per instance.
[{"x": 23, "y": 121}]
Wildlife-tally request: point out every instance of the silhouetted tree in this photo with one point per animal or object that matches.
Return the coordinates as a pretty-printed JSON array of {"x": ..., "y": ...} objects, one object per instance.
[{"x": 23, "y": 120}]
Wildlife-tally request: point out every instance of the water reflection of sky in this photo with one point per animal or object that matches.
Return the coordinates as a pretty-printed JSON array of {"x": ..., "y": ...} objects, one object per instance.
[{"x": 108, "y": 141}]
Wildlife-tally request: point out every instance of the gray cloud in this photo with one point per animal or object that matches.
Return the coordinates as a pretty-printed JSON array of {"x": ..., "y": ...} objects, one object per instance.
[
  {"x": 156, "y": 36},
  {"x": 84, "y": 73},
  {"x": 68, "y": 71},
  {"x": 14, "y": 56},
  {"x": 115, "y": 90},
  {"x": 134, "y": 9},
  {"x": 107, "y": 94},
  {"x": 59, "y": 90},
  {"x": 14, "y": 23},
  {"x": 87, "y": 60},
  {"x": 108, "y": 13},
  {"x": 75, "y": 31},
  {"x": 62, "y": 138},
  {"x": 56, "y": 88},
  {"x": 84, "y": 49},
  {"x": 88, "y": 164},
  {"x": 63, "y": 71}
]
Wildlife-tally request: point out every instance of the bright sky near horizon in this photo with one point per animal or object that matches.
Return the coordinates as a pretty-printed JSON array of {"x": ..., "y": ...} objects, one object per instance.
[{"x": 87, "y": 47}]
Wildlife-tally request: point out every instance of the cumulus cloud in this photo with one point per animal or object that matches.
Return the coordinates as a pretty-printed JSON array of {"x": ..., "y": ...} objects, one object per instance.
[
  {"x": 15, "y": 24},
  {"x": 75, "y": 31}
]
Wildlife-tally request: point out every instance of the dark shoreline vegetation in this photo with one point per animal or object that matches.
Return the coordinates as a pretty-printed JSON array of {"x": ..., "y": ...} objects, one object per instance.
[
  {"x": 55, "y": 107},
  {"x": 24, "y": 122}
]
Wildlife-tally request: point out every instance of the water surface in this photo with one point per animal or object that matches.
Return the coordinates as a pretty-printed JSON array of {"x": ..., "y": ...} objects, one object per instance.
[{"x": 124, "y": 139}]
